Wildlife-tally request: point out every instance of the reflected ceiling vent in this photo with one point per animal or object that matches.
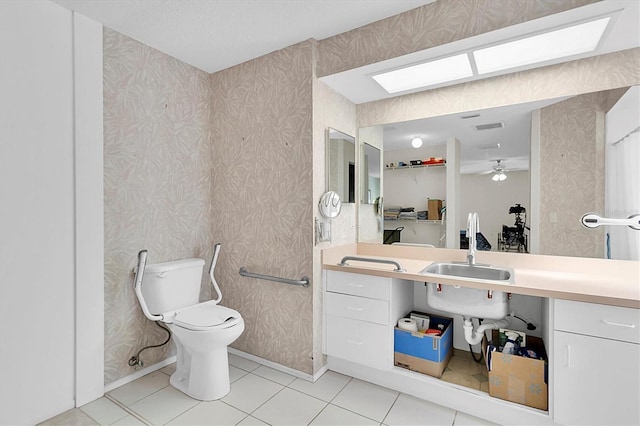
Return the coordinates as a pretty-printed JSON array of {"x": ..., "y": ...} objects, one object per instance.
[
  {"x": 498, "y": 125},
  {"x": 495, "y": 145},
  {"x": 466, "y": 117}
]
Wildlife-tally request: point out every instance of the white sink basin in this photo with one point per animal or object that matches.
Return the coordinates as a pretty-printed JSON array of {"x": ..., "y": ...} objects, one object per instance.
[{"x": 468, "y": 302}]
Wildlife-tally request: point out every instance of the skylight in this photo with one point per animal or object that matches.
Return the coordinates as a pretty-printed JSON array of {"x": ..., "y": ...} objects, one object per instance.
[
  {"x": 425, "y": 74},
  {"x": 542, "y": 47},
  {"x": 554, "y": 44}
]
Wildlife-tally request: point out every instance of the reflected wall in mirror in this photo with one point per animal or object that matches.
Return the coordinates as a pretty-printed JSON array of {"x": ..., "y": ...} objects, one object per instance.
[
  {"x": 371, "y": 177},
  {"x": 370, "y": 226},
  {"x": 341, "y": 168}
]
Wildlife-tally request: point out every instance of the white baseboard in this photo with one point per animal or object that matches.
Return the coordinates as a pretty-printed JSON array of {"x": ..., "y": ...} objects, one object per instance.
[
  {"x": 279, "y": 367},
  {"x": 157, "y": 366},
  {"x": 139, "y": 373}
]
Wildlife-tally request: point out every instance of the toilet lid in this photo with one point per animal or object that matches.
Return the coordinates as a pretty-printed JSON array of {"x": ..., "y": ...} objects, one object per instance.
[{"x": 206, "y": 316}]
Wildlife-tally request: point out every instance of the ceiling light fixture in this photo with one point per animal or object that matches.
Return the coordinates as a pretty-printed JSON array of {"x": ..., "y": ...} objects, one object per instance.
[
  {"x": 416, "y": 142},
  {"x": 543, "y": 47},
  {"x": 425, "y": 74},
  {"x": 499, "y": 177}
]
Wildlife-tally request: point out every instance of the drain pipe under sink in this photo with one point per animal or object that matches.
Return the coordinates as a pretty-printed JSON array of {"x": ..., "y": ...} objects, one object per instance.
[{"x": 474, "y": 337}]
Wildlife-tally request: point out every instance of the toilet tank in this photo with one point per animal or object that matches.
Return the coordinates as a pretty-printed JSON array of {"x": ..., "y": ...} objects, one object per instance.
[{"x": 169, "y": 286}]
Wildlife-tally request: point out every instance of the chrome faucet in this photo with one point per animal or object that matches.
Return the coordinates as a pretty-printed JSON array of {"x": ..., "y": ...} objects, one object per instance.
[{"x": 473, "y": 226}]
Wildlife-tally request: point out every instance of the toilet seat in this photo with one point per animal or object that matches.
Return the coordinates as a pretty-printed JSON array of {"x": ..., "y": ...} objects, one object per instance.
[{"x": 206, "y": 316}]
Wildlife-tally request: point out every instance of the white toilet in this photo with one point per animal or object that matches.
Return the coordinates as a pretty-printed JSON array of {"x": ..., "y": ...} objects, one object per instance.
[{"x": 169, "y": 292}]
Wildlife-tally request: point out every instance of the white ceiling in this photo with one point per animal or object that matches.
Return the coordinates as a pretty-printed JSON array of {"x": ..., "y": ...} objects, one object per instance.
[{"x": 216, "y": 34}]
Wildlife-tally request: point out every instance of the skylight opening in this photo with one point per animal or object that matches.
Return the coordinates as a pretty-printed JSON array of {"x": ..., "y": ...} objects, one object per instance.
[
  {"x": 425, "y": 74},
  {"x": 560, "y": 43},
  {"x": 556, "y": 44}
]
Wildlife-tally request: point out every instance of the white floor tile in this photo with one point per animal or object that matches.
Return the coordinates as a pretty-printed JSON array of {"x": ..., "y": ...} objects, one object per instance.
[
  {"x": 75, "y": 417},
  {"x": 463, "y": 419},
  {"x": 235, "y": 373},
  {"x": 252, "y": 421},
  {"x": 333, "y": 415},
  {"x": 104, "y": 411},
  {"x": 408, "y": 410},
  {"x": 128, "y": 421},
  {"x": 289, "y": 407},
  {"x": 210, "y": 413},
  {"x": 325, "y": 388},
  {"x": 140, "y": 388},
  {"x": 274, "y": 375},
  {"x": 366, "y": 399},
  {"x": 250, "y": 392},
  {"x": 163, "y": 405},
  {"x": 243, "y": 363}
]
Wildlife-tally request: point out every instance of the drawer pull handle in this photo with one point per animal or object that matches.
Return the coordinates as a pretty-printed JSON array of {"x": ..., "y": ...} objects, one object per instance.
[
  {"x": 355, "y": 342},
  {"x": 617, "y": 324},
  {"x": 355, "y": 308},
  {"x": 355, "y": 285}
]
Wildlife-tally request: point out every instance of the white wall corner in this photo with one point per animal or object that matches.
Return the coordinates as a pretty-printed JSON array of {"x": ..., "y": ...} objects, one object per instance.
[{"x": 89, "y": 211}]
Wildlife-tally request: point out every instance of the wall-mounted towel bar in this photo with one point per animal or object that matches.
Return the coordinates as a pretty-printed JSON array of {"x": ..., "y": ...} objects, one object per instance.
[
  {"x": 304, "y": 282},
  {"x": 398, "y": 266}
]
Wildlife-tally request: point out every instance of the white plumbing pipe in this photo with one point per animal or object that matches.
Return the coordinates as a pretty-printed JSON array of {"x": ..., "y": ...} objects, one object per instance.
[{"x": 474, "y": 337}]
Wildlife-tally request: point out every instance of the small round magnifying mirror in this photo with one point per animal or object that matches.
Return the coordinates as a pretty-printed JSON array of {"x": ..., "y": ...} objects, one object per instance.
[{"x": 330, "y": 205}]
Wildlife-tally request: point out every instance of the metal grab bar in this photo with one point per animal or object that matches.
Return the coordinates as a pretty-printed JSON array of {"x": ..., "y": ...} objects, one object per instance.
[
  {"x": 304, "y": 282},
  {"x": 398, "y": 266}
]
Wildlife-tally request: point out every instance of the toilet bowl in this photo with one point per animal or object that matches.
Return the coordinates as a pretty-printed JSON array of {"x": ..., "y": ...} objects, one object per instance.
[
  {"x": 169, "y": 292},
  {"x": 202, "y": 365}
]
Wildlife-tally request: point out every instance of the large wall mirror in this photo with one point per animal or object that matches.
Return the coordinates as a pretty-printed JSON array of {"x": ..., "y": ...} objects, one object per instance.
[
  {"x": 341, "y": 165},
  {"x": 550, "y": 154}
]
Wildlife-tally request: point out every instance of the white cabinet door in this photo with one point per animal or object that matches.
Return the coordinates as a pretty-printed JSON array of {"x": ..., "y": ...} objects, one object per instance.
[
  {"x": 360, "y": 342},
  {"x": 597, "y": 381}
]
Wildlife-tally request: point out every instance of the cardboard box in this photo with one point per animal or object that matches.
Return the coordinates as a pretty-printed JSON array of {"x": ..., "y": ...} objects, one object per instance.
[
  {"x": 421, "y": 352},
  {"x": 433, "y": 209},
  {"x": 516, "y": 378}
]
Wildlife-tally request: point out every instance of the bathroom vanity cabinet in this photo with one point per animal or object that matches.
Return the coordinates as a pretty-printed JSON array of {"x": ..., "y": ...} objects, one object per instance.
[
  {"x": 593, "y": 349},
  {"x": 360, "y": 314},
  {"x": 597, "y": 364}
]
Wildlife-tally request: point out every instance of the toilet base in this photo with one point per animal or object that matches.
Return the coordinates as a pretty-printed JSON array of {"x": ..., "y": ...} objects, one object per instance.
[
  {"x": 202, "y": 370},
  {"x": 211, "y": 381}
]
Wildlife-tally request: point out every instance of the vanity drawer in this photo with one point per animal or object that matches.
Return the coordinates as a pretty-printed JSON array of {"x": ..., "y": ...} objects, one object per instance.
[
  {"x": 358, "y": 341},
  {"x": 610, "y": 322},
  {"x": 360, "y": 308},
  {"x": 359, "y": 285}
]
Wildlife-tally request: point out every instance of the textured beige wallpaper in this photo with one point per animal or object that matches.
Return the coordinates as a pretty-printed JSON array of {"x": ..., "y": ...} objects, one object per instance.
[
  {"x": 572, "y": 173},
  {"x": 434, "y": 24},
  {"x": 262, "y": 199},
  {"x": 157, "y": 183}
]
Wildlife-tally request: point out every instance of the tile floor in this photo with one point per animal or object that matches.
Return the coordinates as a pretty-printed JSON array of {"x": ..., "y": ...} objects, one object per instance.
[{"x": 261, "y": 395}]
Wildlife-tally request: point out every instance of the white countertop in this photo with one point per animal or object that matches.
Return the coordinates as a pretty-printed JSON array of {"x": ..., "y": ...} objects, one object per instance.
[{"x": 609, "y": 282}]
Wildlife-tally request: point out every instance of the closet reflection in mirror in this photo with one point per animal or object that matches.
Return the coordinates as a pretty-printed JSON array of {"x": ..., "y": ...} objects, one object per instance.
[
  {"x": 371, "y": 178},
  {"x": 341, "y": 169}
]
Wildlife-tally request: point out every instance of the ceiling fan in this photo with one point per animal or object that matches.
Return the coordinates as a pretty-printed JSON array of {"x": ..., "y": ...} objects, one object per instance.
[{"x": 499, "y": 171}]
